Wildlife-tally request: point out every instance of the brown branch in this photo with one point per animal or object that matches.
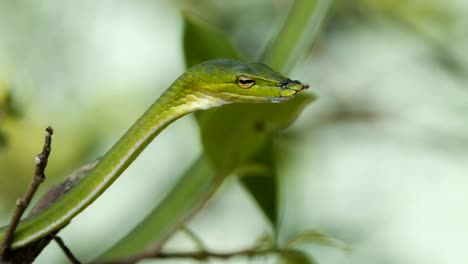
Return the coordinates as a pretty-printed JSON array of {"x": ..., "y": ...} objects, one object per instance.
[
  {"x": 30, "y": 252},
  {"x": 66, "y": 250},
  {"x": 22, "y": 203},
  {"x": 200, "y": 255}
]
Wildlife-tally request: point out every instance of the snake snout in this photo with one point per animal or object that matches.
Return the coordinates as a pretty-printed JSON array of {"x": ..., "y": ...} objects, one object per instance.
[
  {"x": 290, "y": 88},
  {"x": 293, "y": 85}
]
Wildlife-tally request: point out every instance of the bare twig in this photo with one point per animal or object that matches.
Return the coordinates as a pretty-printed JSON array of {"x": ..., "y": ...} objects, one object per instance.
[
  {"x": 66, "y": 250},
  {"x": 29, "y": 253},
  {"x": 200, "y": 255},
  {"x": 22, "y": 203}
]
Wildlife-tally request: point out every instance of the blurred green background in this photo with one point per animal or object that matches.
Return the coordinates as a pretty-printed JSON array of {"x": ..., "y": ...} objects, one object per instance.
[{"x": 379, "y": 161}]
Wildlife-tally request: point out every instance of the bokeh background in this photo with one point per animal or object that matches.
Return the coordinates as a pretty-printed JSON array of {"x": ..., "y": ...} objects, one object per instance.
[{"x": 379, "y": 161}]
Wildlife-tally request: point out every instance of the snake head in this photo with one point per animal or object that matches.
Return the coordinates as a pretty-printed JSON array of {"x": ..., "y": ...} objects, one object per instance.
[{"x": 239, "y": 81}]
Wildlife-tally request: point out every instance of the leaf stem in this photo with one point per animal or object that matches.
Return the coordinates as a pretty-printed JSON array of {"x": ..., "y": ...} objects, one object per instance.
[{"x": 301, "y": 26}]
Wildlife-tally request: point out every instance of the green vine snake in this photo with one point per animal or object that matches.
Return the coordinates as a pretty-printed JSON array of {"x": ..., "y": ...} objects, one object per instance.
[{"x": 206, "y": 85}]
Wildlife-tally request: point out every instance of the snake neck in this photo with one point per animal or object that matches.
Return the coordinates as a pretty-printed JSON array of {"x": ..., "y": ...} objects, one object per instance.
[{"x": 180, "y": 99}]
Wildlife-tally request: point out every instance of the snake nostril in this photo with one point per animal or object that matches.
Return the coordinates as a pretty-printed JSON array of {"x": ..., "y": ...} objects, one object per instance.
[{"x": 285, "y": 82}]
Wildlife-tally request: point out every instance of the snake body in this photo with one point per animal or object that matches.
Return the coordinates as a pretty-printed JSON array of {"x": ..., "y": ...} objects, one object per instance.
[{"x": 206, "y": 85}]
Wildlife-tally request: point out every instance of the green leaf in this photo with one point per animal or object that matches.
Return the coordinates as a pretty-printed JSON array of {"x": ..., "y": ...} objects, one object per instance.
[
  {"x": 238, "y": 133},
  {"x": 234, "y": 133},
  {"x": 317, "y": 237},
  {"x": 203, "y": 42},
  {"x": 8, "y": 105},
  {"x": 8, "y": 109},
  {"x": 262, "y": 184},
  {"x": 2, "y": 139},
  {"x": 300, "y": 29},
  {"x": 295, "y": 257}
]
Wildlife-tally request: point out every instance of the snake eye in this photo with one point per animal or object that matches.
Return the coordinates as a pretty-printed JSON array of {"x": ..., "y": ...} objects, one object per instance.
[{"x": 245, "y": 82}]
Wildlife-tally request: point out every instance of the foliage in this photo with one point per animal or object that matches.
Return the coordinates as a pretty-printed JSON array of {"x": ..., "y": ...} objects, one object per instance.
[
  {"x": 388, "y": 126},
  {"x": 8, "y": 109},
  {"x": 236, "y": 136}
]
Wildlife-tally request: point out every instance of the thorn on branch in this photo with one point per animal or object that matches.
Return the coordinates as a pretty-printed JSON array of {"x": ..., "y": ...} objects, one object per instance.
[{"x": 22, "y": 203}]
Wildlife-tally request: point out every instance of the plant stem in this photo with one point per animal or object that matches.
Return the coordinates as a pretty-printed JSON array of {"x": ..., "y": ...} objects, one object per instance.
[
  {"x": 299, "y": 30},
  {"x": 23, "y": 203}
]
